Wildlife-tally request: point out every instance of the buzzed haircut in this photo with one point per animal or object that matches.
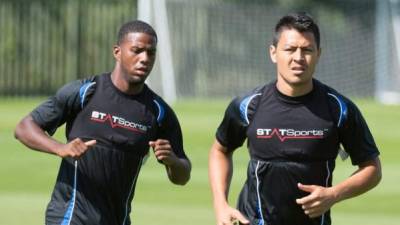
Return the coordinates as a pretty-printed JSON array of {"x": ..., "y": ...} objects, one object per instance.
[
  {"x": 300, "y": 21},
  {"x": 135, "y": 26}
]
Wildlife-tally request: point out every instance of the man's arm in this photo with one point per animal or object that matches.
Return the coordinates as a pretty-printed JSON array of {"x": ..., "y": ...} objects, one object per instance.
[
  {"x": 31, "y": 135},
  {"x": 220, "y": 174},
  {"x": 321, "y": 199},
  {"x": 178, "y": 169}
]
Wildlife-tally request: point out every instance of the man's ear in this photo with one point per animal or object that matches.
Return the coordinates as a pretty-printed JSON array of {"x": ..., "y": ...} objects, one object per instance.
[
  {"x": 272, "y": 53},
  {"x": 117, "y": 52},
  {"x": 318, "y": 54}
]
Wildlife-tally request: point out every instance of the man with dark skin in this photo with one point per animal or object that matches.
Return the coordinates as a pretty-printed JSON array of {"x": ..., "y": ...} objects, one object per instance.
[
  {"x": 112, "y": 120},
  {"x": 294, "y": 127}
]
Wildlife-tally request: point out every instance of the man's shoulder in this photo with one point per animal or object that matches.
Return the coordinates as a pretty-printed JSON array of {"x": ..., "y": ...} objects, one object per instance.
[
  {"x": 155, "y": 98},
  {"x": 342, "y": 106},
  {"x": 78, "y": 92},
  {"x": 246, "y": 104},
  {"x": 162, "y": 108},
  {"x": 93, "y": 78},
  {"x": 76, "y": 85},
  {"x": 253, "y": 93},
  {"x": 332, "y": 93}
]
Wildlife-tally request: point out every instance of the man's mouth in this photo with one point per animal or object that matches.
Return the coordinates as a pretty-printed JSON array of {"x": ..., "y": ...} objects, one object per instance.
[
  {"x": 298, "y": 69},
  {"x": 142, "y": 70}
]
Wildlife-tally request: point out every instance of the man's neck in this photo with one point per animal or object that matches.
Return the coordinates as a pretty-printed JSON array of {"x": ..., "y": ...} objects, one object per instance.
[
  {"x": 294, "y": 90},
  {"x": 123, "y": 85}
]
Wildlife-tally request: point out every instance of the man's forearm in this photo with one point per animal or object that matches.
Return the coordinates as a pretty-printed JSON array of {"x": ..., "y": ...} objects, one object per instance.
[
  {"x": 220, "y": 174},
  {"x": 179, "y": 173},
  {"x": 365, "y": 178}
]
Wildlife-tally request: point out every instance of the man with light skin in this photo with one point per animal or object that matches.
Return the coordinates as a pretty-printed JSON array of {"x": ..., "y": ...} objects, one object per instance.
[
  {"x": 112, "y": 120},
  {"x": 294, "y": 127}
]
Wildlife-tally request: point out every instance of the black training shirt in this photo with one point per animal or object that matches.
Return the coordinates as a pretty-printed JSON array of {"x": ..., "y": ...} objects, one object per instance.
[
  {"x": 97, "y": 189},
  {"x": 292, "y": 140}
]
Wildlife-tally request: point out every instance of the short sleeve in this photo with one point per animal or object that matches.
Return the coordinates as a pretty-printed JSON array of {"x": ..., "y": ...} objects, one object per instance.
[
  {"x": 356, "y": 137},
  {"x": 231, "y": 133},
  {"x": 170, "y": 129},
  {"x": 57, "y": 109}
]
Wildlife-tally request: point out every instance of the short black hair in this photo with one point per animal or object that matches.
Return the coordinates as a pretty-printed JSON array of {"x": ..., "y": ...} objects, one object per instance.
[
  {"x": 300, "y": 21},
  {"x": 135, "y": 26}
]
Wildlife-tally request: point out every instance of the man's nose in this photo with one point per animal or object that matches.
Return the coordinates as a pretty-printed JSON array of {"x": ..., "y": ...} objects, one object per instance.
[
  {"x": 298, "y": 54},
  {"x": 144, "y": 57}
]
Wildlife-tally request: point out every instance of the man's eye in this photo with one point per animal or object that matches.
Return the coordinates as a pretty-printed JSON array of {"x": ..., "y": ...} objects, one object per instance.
[
  {"x": 136, "y": 50},
  {"x": 152, "y": 52}
]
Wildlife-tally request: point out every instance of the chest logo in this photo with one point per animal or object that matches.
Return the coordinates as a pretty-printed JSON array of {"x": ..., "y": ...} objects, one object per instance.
[
  {"x": 284, "y": 134},
  {"x": 116, "y": 121}
]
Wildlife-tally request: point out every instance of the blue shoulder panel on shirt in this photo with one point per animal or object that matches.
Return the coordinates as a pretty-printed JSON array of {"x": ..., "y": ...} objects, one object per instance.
[
  {"x": 82, "y": 91},
  {"x": 343, "y": 108},
  {"x": 161, "y": 111},
  {"x": 244, "y": 105}
]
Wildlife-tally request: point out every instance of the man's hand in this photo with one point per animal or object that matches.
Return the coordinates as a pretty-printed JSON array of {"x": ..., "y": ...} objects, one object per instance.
[
  {"x": 75, "y": 148},
  {"x": 320, "y": 199},
  {"x": 163, "y": 152},
  {"x": 178, "y": 169},
  {"x": 230, "y": 216}
]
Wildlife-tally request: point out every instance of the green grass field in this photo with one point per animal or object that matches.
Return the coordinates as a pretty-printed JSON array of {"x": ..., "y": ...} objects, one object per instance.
[{"x": 27, "y": 177}]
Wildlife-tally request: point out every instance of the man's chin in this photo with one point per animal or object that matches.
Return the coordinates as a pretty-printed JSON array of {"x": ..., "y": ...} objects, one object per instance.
[
  {"x": 136, "y": 80},
  {"x": 300, "y": 80}
]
